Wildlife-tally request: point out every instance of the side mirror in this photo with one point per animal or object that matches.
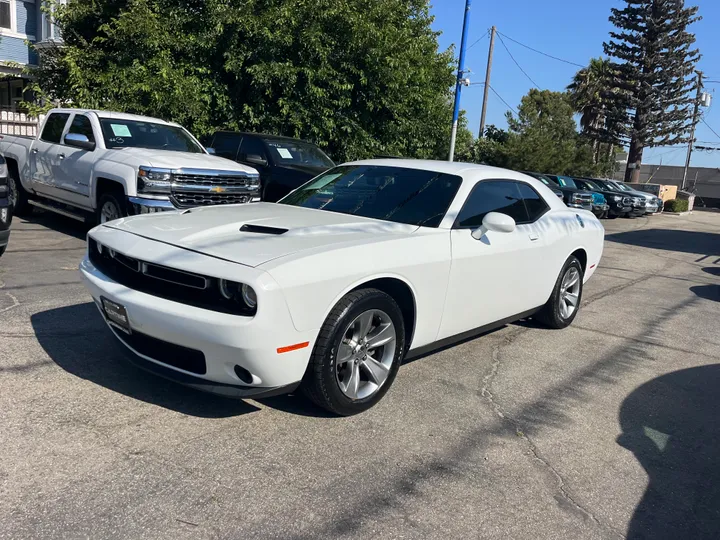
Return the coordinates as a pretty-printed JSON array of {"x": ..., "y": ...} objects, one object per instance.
[
  {"x": 210, "y": 151},
  {"x": 496, "y": 222},
  {"x": 79, "y": 141},
  {"x": 256, "y": 160}
]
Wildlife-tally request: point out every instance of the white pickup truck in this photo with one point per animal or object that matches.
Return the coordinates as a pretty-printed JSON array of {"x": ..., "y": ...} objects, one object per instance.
[{"x": 98, "y": 165}]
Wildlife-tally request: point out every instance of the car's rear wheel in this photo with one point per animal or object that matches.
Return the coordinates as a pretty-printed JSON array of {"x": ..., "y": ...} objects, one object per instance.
[
  {"x": 17, "y": 195},
  {"x": 562, "y": 308},
  {"x": 357, "y": 354}
]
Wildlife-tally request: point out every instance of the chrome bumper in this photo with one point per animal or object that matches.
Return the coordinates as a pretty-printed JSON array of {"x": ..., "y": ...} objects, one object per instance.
[{"x": 142, "y": 205}]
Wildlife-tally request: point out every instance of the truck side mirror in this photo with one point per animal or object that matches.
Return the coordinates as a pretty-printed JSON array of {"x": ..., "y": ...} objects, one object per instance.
[
  {"x": 79, "y": 141},
  {"x": 256, "y": 160}
]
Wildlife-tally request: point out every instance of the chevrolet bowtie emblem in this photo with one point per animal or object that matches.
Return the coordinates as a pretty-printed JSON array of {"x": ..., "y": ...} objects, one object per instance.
[{"x": 217, "y": 189}]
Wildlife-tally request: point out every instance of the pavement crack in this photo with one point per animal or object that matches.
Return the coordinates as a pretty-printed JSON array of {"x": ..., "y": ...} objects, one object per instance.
[{"x": 16, "y": 303}]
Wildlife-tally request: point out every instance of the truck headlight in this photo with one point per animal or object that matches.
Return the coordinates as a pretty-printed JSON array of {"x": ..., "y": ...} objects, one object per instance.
[
  {"x": 154, "y": 181},
  {"x": 3, "y": 170},
  {"x": 253, "y": 183},
  {"x": 616, "y": 198}
]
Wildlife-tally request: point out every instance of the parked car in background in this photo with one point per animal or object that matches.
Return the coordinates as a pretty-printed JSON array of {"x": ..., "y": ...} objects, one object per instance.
[
  {"x": 88, "y": 164},
  {"x": 637, "y": 204},
  {"x": 573, "y": 197},
  {"x": 619, "y": 205},
  {"x": 331, "y": 288},
  {"x": 6, "y": 211},
  {"x": 284, "y": 163},
  {"x": 653, "y": 204}
]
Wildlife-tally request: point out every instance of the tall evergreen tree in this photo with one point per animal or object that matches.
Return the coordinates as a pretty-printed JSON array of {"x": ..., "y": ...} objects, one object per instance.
[{"x": 655, "y": 72}]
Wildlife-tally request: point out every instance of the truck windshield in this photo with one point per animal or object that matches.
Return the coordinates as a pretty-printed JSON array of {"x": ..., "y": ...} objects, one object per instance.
[
  {"x": 297, "y": 153},
  {"x": 412, "y": 196},
  {"x": 138, "y": 134}
]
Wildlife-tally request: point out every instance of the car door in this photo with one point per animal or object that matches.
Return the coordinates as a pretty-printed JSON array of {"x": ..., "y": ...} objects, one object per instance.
[
  {"x": 43, "y": 160},
  {"x": 253, "y": 149},
  {"x": 75, "y": 165},
  {"x": 502, "y": 274}
]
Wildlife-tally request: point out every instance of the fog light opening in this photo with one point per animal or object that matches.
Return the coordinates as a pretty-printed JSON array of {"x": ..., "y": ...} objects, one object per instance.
[{"x": 243, "y": 374}]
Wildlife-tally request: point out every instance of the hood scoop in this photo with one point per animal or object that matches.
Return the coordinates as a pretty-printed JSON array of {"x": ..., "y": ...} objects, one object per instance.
[{"x": 261, "y": 229}]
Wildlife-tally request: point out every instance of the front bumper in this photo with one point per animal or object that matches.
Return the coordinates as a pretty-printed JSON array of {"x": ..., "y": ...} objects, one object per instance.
[
  {"x": 618, "y": 210},
  {"x": 146, "y": 205},
  {"x": 588, "y": 207},
  {"x": 600, "y": 209},
  {"x": 4, "y": 238},
  {"x": 225, "y": 341}
]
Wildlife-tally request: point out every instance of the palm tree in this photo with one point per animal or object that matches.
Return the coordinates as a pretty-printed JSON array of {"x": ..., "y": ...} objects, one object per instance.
[{"x": 593, "y": 94}]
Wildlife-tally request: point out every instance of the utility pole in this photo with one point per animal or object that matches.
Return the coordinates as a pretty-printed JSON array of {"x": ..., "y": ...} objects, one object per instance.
[
  {"x": 487, "y": 81},
  {"x": 460, "y": 79},
  {"x": 698, "y": 98}
]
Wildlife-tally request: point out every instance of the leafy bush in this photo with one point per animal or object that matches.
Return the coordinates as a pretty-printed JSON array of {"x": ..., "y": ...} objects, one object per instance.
[{"x": 676, "y": 205}]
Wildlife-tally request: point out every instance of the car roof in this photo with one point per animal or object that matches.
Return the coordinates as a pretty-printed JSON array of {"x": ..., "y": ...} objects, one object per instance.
[
  {"x": 116, "y": 115},
  {"x": 262, "y": 135},
  {"x": 466, "y": 170}
]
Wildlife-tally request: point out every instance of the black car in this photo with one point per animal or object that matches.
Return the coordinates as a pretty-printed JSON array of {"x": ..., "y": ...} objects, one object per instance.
[
  {"x": 637, "y": 202},
  {"x": 620, "y": 204},
  {"x": 283, "y": 163},
  {"x": 573, "y": 197},
  {"x": 5, "y": 207}
]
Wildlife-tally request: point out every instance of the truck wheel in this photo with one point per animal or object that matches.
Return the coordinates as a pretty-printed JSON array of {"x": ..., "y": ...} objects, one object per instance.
[
  {"x": 111, "y": 206},
  {"x": 18, "y": 195},
  {"x": 357, "y": 354}
]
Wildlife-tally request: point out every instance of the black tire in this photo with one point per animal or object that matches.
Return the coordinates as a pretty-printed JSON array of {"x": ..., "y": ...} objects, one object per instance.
[
  {"x": 2, "y": 250},
  {"x": 21, "y": 206},
  {"x": 320, "y": 382},
  {"x": 115, "y": 198},
  {"x": 551, "y": 315}
]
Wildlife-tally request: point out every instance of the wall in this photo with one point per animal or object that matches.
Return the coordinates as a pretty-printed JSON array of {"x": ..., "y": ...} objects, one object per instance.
[
  {"x": 704, "y": 181},
  {"x": 13, "y": 47}
]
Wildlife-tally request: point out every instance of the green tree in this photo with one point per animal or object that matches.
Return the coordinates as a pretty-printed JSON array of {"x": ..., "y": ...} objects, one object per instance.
[
  {"x": 655, "y": 73},
  {"x": 358, "y": 77}
]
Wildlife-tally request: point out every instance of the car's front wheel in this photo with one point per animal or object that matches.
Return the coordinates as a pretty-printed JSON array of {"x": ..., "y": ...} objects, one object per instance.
[
  {"x": 357, "y": 354},
  {"x": 564, "y": 303}
]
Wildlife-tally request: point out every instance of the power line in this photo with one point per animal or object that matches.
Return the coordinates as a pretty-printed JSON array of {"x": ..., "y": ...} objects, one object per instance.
[
  {"x": 478, "y": 40},
  {"x": 540, "y": 52},
  {"x": 711, "y": 129},
  {"x": 501, "y": 99},
  {"x": 516, "y": 62}
]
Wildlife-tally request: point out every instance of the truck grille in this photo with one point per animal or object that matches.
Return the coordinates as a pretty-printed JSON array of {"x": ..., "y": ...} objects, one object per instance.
[
  {"x": 200, "y": 180},
  {"x": 182, "y": 199},
  {"x": 627, "y": 201}
]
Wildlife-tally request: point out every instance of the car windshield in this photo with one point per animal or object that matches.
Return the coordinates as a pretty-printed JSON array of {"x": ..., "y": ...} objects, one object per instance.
[
  {"x": 591, "y": 185},
  {"x": 138, "y": 134},
  {"x": 566, "y": 181},
  {"x": 412, "y": 196},
  {"x": 297, "y": 153},
  {"x": 620, "y": 186}
]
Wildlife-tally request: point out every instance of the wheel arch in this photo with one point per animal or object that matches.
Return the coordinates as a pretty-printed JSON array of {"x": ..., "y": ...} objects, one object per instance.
[{"x": 396, "y": 287}]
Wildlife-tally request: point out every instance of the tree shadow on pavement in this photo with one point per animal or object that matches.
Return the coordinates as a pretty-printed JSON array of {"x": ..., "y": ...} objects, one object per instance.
[
  {"x": 77, "y": 339},
  {"x": 672, "y": 425},
  {"x": 712, "y": 270},
  {"x": 671, "y": 240}
]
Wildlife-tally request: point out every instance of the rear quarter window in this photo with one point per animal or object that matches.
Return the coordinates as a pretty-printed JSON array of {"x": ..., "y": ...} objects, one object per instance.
[{"x": 54, "y": 127}]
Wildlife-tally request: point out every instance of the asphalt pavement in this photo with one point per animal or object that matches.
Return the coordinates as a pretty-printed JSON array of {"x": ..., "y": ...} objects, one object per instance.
[{"x": 610, "y": 428}]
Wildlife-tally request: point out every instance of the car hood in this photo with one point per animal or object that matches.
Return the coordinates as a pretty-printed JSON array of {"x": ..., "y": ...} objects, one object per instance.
[
  {"x": 253, "y": 234},
  {"x": 167, "y": 159}
]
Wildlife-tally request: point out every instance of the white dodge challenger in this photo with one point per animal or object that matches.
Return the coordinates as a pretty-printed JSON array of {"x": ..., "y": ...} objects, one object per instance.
[{"x": 332, "y": 287}]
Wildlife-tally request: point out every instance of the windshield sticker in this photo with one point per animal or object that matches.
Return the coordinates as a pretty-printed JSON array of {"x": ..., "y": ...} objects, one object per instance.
[
  {"x": 121, "y": 130},
  {"x": 284, "y": 153}
]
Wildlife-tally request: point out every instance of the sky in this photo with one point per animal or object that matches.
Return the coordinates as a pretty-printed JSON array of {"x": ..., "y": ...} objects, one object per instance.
[{"x": 573, "y": 30}]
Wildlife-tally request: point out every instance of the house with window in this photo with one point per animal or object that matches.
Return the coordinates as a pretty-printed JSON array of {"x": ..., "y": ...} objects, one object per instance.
[{"x": 21, "y": 22}]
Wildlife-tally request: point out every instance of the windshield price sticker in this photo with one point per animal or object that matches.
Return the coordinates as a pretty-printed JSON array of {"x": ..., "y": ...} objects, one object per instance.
[
  {"x": 121, "y": 130},
  {"x": 284, "y": 153}
]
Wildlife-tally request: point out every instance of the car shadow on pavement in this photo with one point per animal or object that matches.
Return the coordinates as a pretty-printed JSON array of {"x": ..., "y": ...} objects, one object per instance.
[
  {"x": 77, "y": 339},
  {"x": 59, "y": 223},
  {"x": 672, "y": 425},
  {"x": 670, "y": 239},
  {"x": 708, "y": 292}
]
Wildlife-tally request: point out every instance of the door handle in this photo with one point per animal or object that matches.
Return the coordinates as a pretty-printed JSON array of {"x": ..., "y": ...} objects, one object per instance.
[
  {"x": 534, "y": 237},
  {"x": 61, "y": 156},
  {"x": 34, "y": 150}
]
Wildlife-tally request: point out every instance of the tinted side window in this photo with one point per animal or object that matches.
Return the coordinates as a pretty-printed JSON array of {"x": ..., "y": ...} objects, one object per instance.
[
  {"x": 81, "y": 125},
  {"x": 252, "y": 147},
  {"x": 492, "y": 196},
  {"x": 54, "y": 126},
  {"x": 227, "y": 144},
  {"x": 534, "y": 203}
]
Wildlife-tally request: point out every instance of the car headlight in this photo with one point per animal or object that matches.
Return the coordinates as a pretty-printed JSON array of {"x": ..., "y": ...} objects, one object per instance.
[
  {"x": 3, "y": 170},
  {"x": 616, "y": 198},
  {"x": 238, "y": 292},
  {"x": 154, "y": 181},
  {"x": 253, "y": 183}
]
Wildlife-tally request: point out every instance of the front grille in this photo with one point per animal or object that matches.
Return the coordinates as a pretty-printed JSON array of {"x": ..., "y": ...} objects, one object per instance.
[
  {"x": 168, "y": 283},
  {"x": 201, "y": 180},
  {"x": 206, "y": 199},
  {"x": 583, "y": 198},
  {"x": 165, "y": 352},
  {"x": 627, "y": 201}
]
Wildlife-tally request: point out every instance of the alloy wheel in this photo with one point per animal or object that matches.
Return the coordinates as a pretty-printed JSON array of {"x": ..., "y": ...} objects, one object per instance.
[
  {"x": 13, "y": 194},
  {"x": 365, "y": 354},
  {"x": 109, "y": 212},
  {"x": 569, "y": 292}
]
